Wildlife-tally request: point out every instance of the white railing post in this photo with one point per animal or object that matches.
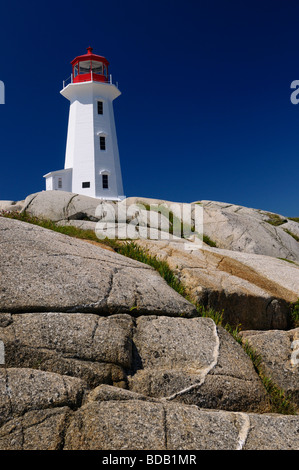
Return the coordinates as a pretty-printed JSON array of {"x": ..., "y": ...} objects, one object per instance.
[{"x": 71, "y": 78}]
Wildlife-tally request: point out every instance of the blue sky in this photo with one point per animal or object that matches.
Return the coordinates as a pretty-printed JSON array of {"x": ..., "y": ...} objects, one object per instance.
[{"x": 205, "y": 110}]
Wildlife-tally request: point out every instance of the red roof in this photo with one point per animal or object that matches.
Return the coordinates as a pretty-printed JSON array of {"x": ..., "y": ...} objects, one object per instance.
[{"x": 90, "y": 56}]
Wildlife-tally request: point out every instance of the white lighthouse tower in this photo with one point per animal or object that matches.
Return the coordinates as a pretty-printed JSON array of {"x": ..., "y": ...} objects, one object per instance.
[{"x": 92, "y": 165}]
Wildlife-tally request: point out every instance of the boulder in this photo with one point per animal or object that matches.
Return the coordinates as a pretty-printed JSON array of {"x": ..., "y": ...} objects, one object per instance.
[
  {"x": 11, "y": 206},
  {"x": 253, "y": 291},
  {"x": 138, "y": 425},
  {"x": 47, "y": 271},
  {"x": 36, "y": 430},
  {"x": 242, "y": 277},
  {"x": 291, "y": 227},
  {"x": 60, "y": 205},
  {"x": 125, "y": 219},
  {"x": 118, "y": 420},
  {"x": 248, "y": 230},
  {"x": 194, "y": 362},
  {"x": 96, "y": 349},
  {"x": 27, "y": 389},
  {"x": 236, "y": 228},
  {"x": 174, "y": 359},
  {"x": 131, "y": 424},
  {"x": 279, "y": 355},
  {"x": 272, "y": 432},
  {"x": 63, "y": 207}
]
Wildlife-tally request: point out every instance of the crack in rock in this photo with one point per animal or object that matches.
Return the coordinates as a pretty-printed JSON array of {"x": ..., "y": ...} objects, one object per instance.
[
  {"x": 244, "y": 430},
  {"x": 204, "y": 371}
]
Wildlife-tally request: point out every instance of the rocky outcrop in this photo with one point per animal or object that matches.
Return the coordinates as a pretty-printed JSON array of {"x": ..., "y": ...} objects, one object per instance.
[
  {"x": 253, "y": 291},
  {"x": 127, "y": 423},
  {"x": 248, "y": 230},
  {"x": 10, "y": 206},
  {"x": 176, "y": 373},
  {"x": 47, "y": 271},
  {"x": 242, "y": 277},
  {"x": 230, "y": 226},
  {"x": 24, "y": 389},
  {"x": 135, "y": 424},
  {"x": 279, "y": 355},
  {"x": 177, "y": 359},
  {"x": 95, "y": 349},
  {"x": 61, "y": 205},
  {"x": 194, "y": 362},
  {"x": 100, "y": 353}
]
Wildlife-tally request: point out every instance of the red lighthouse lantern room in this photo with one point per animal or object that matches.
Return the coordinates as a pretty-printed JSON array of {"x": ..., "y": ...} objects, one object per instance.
[{"x": 90, "y": 67}]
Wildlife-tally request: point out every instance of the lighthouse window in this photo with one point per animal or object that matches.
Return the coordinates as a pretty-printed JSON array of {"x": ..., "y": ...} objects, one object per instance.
[
  {"x": 100, "y": 107},
  {"x": 105, "y": 181},
  {"x": 97, "y": 67},
  {"x": 102, "y": 142},
  {"x": 59, "y": 183},
  {"x": 84, "y": 67},
  {"x": 86, "y": 184}
]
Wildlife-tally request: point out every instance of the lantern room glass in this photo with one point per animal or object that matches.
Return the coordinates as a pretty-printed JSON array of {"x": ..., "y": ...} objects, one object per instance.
[
  {"x": 88, "y": 66},
  {"x": 84, "y": 67},
  {"x": 97, "y": 67}
]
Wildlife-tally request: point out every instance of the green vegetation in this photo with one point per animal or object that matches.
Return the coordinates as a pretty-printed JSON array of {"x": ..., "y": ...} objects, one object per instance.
[
  {"x": 295, "y": 314},
  {"x": 292, "y": 234},
  {"x": 49, "y": 224},
  {"x": 275, "y": 219},
  {"x": 217, "y": 317},
  {"x": 176, "y": 226},
  {"x": 295, "y": 219},
  {"x": 288, "y": 260},
  {"x": 280, "y": 402},
  {"x": 142, "y": 205},
  {"x": 133, "y": 251},
  {"x": 127, "y": 248},
  {"x": 208, "y": 241}
]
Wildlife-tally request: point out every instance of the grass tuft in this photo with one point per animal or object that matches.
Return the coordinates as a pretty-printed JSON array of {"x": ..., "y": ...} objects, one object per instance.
[
  {"x": 207, "y": 312},
  {"x": 133, "y": 251},
  {"x": 208, "y": 241},
  {"x": 280, "y": 401},
  {"x": 288, "y": 260},
  {"x": 275, "y": 219},
  {"x": 69, "y": 230},
  {"x": 295, "y": 314},
  {"x": 292, "y": 234}
]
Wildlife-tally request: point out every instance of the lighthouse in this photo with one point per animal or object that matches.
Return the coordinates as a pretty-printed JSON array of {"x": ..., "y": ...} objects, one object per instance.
[{"x": 92, "y": 164}]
